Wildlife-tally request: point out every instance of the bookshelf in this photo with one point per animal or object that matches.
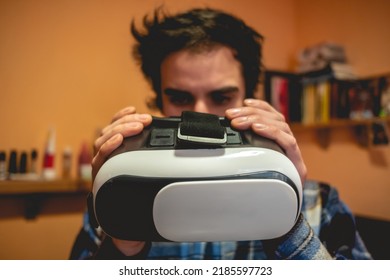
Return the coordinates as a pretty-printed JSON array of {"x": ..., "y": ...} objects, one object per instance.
[
  {"x": 362, "y": 129},
  {"x": 322, "y": 102}
]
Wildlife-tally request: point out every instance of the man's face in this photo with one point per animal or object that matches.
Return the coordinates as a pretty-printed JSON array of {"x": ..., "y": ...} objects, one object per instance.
[{"x": 209, "y": 81}]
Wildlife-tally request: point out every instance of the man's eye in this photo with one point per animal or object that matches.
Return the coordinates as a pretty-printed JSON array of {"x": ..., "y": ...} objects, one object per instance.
[
  {"x": 221, "y": 99},
  {"x": 180, "y": 99}
]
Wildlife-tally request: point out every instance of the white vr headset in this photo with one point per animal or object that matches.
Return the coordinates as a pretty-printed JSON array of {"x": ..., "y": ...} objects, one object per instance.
[{"x": 196, "y": 179}]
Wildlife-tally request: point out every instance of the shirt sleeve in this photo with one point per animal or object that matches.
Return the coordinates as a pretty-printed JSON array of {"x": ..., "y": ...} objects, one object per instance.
[
  {"x": 339, "y": 232},
  {"x": 87, "y": 242},
  {"x": 337, "y": 237},
  {"x": 300, "y": 243}
]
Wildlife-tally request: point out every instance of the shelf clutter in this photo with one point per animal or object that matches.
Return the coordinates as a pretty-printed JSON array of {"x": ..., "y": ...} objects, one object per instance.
[
  {"x": 22, "y": 180},
  {"x": 41, "y": 176},
  {"x": 319, "y": 97},
  {"x": 325, "y": 92},
  {"x": 20, "y": 174},
  {"x": 326, "y": 87},
  {"x": 318, "y": 100},
  {"x": 34, "y": 194}
]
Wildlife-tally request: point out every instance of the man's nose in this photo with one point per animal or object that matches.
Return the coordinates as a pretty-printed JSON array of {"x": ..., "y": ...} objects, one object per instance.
[{"x": 201, "y": 107}]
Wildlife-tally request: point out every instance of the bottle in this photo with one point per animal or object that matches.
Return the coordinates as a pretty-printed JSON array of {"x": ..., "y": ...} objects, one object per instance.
[
  {"x": 23, "y": 163},
  {"x": 85, "y": 160},
  {"x": 13, "y": 163},
  {"x": 33, "y": 162},
  {"x": 49, "y": 171},
  {"x": 66, "y": 163},
  {"x": 3, "y": 166}
]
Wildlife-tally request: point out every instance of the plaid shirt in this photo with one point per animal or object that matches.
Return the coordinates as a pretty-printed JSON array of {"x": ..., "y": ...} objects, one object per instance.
[{"x": 325, "y": 230}]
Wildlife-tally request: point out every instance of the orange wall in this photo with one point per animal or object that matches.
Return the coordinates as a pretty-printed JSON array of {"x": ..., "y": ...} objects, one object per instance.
[
  {"x": 361, "y": 175},
  {"x": 66, "y": 64},
  {"x": 360, "y": 25}
]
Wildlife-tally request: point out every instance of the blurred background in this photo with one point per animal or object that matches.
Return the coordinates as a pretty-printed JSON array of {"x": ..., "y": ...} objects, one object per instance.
[{"x": 66, "y": 66}]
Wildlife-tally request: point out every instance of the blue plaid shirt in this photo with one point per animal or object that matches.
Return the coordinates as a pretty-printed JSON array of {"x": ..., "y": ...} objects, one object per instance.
[{"x": 325, "y": 230}]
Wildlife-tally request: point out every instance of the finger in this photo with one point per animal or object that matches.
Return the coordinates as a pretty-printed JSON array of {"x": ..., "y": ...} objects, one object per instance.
[
  {"x": 263, "y": 105},
  {"x": 125, "y": 111},
  {"x": 287, "y": 142},
  {"x": 145, "y": 119},
  {"x": 246, "y": 122},
  {"x": 264, "y": 111},
  {"x": 125, "y": 130},
  {"x": 104, "y": 151}
]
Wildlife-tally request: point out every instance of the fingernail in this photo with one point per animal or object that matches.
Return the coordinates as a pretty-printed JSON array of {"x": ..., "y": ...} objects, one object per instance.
[
  {"x": 133, "y": 125},
  {"x": 129, "y": 110},
  {"x": 234, "y": 112},
  {"x": 241, "y": 119},
  {"x": 249, "y": 101},
  {"x": 259, "y": 126},
  {"x": 143, "y": 117}
]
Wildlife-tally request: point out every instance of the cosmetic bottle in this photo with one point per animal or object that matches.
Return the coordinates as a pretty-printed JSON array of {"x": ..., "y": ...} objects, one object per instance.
[
  {"x": 84, "y": 163},
  {"x": 49, "y": 171},
  {"x": 3, "y": 166},
  {"x": 67, "y": 163}
]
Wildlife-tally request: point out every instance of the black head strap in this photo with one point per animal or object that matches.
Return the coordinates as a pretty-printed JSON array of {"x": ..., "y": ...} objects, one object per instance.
[{"x": 201, "y": 128}]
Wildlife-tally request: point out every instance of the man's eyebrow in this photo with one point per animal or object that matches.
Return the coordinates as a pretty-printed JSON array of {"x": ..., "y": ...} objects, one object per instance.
[
  {"x": 225, "y": 90},
  {"x": 173, "y": 91}
]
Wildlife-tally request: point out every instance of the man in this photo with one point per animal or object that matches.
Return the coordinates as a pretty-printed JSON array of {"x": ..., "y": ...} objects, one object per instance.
[{"x": 208, "y": 61}]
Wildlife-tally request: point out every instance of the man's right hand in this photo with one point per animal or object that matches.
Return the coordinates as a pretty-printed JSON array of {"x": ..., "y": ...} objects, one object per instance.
[{"x": 125, "y": 123}]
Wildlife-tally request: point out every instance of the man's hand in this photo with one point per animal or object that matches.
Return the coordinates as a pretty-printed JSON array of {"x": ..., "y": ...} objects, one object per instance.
[
  {"x": 129, "y": 248},
  {"x": 125, "y": 123},
  {"x": 264, "y": 120}
]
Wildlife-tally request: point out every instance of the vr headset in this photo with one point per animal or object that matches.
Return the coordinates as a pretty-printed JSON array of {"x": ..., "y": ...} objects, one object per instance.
[{"x": 194, "y": 178}]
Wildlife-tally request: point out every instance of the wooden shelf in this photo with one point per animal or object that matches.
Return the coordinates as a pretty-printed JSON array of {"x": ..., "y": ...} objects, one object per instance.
[
  {"x": 361, "y": 128},
  {"x": 16, "y": 187},
  {"x": 337, "y": 123},
  {"x": 35, "y": 193}
]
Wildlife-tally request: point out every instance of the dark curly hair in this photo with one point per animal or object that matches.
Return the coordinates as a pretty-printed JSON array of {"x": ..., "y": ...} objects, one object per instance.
[{"x": 196, "y": 29}]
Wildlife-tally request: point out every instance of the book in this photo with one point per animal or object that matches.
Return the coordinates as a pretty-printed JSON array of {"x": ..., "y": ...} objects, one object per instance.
[
  {"x": 323, "y": 101},
  {"x": 283, "y": 91},
  {"x": 280, "y": 95},
  {"x": 308, "y": 103},
  {"x": 384, "y": 93}
]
